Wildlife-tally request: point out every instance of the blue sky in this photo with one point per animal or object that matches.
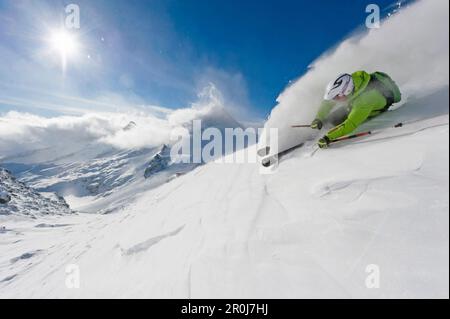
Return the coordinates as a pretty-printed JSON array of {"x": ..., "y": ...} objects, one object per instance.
[{"x": 162, "y": 52}]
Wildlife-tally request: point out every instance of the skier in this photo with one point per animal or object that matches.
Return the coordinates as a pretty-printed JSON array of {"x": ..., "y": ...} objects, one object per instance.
[{"x": 361, "y": 96}]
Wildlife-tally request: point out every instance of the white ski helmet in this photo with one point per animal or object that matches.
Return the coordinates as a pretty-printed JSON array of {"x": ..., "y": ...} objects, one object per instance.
[{"x": 341, "y": 86}]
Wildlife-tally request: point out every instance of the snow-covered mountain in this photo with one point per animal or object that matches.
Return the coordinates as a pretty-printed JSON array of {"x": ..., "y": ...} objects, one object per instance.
[
  {"x": 159, "y": 162},
  {"x": 90, "y": 177},
  {"x": 5, "y": 198},
  {"x": 96, "y": 172},
  {"x": 19, "y": 200}
]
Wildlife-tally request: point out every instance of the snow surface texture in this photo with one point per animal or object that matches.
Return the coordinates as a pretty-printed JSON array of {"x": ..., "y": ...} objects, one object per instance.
[
  {"x": 309, "y": 230},
  {"x": 17, "y": 199},
  {"x": 411, "y": 46}
]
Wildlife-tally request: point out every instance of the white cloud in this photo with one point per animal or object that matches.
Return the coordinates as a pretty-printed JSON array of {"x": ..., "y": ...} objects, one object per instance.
[{"x": 23, "y": 132}]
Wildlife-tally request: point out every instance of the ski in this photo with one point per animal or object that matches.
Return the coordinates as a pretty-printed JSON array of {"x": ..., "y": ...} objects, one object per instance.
[
  {"x": 266, "y": 150},
  {"x": 269, "y": 161}
]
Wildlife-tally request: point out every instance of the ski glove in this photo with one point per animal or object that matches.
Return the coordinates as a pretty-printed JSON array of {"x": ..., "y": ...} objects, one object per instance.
[
  {"x": 324, "y": 142},
  {"x": 316, "y": 124}
]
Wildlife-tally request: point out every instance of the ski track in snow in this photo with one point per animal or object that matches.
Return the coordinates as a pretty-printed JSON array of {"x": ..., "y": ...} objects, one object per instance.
[{"x": 145, "y": 245}]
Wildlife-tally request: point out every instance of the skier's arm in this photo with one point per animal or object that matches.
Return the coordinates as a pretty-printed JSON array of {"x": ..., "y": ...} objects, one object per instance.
[{"x": 362, "y": 107}]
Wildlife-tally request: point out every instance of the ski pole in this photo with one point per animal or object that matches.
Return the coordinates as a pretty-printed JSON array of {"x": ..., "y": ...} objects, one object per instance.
[
  {"x": 349, "y": 137},
  {"x": 294, "y": 126}
]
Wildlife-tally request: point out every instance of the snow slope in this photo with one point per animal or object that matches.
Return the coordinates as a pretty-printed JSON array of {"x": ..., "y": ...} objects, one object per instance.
[{"x": 311, "y": 229}]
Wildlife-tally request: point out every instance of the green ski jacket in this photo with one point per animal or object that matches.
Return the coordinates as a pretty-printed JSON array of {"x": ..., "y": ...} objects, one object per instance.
[{"x": 373, "y": 94}]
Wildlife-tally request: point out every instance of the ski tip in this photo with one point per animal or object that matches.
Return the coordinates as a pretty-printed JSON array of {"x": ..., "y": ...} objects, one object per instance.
[
  {"x": 263, "y": 151},
  {"x": 267, "y": 162}
]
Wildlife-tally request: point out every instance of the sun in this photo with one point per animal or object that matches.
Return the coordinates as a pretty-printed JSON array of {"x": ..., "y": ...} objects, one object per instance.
[{"x": 65, "y": 44}]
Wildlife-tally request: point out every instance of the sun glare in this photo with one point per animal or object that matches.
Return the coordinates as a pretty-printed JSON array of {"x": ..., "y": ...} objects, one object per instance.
[{"x": 65, "y": 44}]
